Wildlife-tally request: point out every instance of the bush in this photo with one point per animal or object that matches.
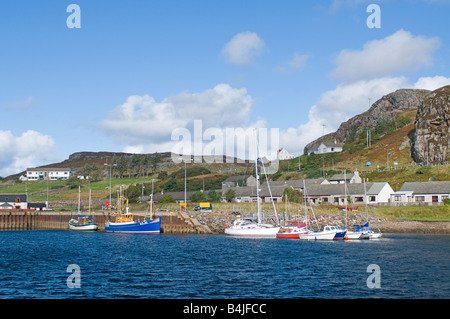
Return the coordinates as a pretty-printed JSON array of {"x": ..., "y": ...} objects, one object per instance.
[
  {"x": 198, "y": 197},
  {"x": 447, "y": 201},
  {"x": 423, "y": 170},
  {"x": 166, "y": 199}
]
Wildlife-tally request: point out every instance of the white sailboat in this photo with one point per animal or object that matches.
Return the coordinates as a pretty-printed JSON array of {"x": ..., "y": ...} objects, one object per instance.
[
  {"x": 351, "y": 234},
  {"x": 249, "y": 227},
  {"x": 83, "y": 222},
  {"x": 367, "y": 232}
]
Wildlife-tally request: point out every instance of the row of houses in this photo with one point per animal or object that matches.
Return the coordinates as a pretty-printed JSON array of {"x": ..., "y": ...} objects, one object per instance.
[{"x": 343, "y": 189}]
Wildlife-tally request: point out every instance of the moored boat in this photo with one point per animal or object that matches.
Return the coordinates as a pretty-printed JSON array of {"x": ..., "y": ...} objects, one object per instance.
[
  {"x": 83, "y": 222},
  {"x": 328, "y": 233},
  {"x": 292, "y": 230},
  {"x": 123, "y": 221},
  {"x": 249, "y": 227},
  {"x": 126, "y": 224}
]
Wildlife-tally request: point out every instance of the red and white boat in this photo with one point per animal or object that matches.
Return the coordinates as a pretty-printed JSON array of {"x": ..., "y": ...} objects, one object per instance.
[{"x": 292, "y": 230}]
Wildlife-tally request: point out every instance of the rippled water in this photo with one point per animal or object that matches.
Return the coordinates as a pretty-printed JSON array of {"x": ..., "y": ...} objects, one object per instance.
[{"x": 34, "y": 265}]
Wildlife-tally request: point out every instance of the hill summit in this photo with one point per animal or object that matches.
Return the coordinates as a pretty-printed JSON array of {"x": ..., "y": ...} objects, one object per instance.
[{"x": 429, "y": 109}]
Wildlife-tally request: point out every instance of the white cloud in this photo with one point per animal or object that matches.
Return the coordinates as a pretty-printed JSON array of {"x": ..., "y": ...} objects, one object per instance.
[
  {"x": 242, "y": 48},
  {"x": 27, "y": 150},
  {"x": 432, "y": 83},
  {"x": 297, "y": 63},
  {"x": 400, "y": 51},
  {"x": 143, "y": 124},
  {"x": 354, "y": 97}
]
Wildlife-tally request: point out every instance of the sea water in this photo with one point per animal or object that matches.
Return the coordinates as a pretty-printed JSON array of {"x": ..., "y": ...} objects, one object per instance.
[{"x": 48, "y": 264}]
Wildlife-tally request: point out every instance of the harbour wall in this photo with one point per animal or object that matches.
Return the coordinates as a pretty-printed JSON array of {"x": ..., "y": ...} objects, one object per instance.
[{"x": 172, "y": 223}]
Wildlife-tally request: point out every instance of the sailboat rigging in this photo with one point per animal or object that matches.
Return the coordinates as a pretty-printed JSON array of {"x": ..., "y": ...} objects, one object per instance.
[{"x": 248, "y": 226}]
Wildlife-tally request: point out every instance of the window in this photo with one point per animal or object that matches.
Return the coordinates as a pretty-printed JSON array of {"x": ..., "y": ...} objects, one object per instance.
[
  {"x": 359, "y": 199},
  {"x": 420, "y": 198},
  {"x": 372, "y": 198},
  {"x": 398, "y": 198}
]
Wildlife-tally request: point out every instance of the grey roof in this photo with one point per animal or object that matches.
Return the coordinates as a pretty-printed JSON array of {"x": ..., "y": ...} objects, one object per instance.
[
  {"x": 298, "y": 183},
  {"x": 276, "y": 189},
  {"x": 409, "y": 186},
  {"x": 339, "y": 189},
  {"x": 236, "y": 178},
  {"x": 341, "y": 177},
  {"x": 46, "y": 169},
  {"x": 12, "y": 197}
]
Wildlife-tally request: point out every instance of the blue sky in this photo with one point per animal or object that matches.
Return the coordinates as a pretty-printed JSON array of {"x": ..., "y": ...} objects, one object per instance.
[{"x": 137, "y": 70}]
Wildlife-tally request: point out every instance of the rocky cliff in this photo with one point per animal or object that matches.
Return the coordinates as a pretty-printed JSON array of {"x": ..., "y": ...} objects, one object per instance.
[
  {"x": 431, "y": 139},
  {"x": 386, "y": 108}
]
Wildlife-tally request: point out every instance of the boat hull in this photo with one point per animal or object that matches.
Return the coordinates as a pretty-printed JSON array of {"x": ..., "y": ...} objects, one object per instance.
[
  {"x": 375, "y": 235},
  {"x": 256, "y": 231},
  {"x": 291, "y": 232},
  {"x": 353, "y": 235},
  {"x": 323, "y": 235},
  {"x": 288, "y": 235},
  {"x": 152, "y": 226},
  {"x": 340, "y": 235},
  {"x": 87, "y": 227}
]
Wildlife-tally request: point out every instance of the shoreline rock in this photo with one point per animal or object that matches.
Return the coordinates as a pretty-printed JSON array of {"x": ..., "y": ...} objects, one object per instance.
[{"x": 216, "y": 221}]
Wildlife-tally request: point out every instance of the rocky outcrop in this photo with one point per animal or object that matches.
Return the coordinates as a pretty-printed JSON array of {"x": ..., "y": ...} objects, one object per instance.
[
  {"x": 431, "y": 139},
  {"x": 386, "y": 108}
]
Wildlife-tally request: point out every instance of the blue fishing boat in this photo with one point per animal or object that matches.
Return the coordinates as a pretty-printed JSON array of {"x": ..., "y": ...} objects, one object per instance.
[
  {"x": 124, "y": 222},
  {"x": 146, "y": 226}
]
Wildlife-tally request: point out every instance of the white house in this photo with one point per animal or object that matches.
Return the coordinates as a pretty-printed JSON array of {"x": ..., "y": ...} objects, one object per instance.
[
  {"x": 418, "y": 193},
  {"x": 339, "y": 194},
  {"x": 36, "y": 174},
  {"x": 348, "y": 178},
  {"x": 283, "y": 154},
  {"x": 13, "y": 201},
  {"x": 327, "y": 147}
]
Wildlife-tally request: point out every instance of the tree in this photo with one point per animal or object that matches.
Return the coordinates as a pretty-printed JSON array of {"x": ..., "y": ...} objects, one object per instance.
[
  {"x": 133, "y": 193},
  {"x": 198, "y": 197},
  {"x": 293, "y": 195},
  {"x": 166, "y": 199},
  {"x": 171, "y": 184},
  {"x": 229, "y": 195},
  {"x": 154, "y": 160},
  {"x": 214, "y": 196}
]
